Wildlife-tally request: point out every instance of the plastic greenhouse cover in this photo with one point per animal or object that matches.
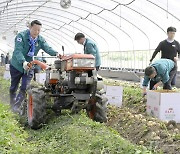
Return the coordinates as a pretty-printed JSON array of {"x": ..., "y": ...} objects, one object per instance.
[{"x": 115, "y": 25}]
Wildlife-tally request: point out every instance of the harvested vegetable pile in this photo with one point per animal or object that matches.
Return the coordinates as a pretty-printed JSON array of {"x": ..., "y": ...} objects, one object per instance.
[{"x": 134, "y": 124}]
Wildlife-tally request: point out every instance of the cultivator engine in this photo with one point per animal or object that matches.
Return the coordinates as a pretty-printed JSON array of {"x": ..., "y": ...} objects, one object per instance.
[{"x": 73, "y": 84}]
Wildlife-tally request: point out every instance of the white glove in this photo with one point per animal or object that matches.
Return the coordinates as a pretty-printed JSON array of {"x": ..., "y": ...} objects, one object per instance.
[
  {"x": 57, "y": 54},
  {"x": 25, "y": 65}
]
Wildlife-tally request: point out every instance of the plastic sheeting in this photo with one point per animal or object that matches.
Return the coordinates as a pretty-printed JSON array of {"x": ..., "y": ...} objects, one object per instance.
[{"x": 116, "y": 25}]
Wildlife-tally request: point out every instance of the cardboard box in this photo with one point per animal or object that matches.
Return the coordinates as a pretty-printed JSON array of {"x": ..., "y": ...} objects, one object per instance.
[
  {"x": 7, "y": 75},
  {"x": 40, "y": 78},
  {"x": 7, "y": 67},
  {"x": 114, "y": 95},
  {"x": 164, "y": 105}
]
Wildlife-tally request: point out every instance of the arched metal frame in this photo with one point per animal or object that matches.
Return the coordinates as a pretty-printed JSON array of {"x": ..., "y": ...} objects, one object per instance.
[
  {"x": 65, "y": 27},
  {"x": 7, "y": 8}
]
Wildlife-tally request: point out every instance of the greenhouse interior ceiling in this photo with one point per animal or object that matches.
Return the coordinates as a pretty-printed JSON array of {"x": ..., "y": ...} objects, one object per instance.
[{"x": 115, "y": 25}]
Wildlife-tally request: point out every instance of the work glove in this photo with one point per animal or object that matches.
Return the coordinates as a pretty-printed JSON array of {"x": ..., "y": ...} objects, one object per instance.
[
  {"x": 58, "y": 55},
  {"x": 26, "y": 65},
  {"x": 154, "y": 88}
]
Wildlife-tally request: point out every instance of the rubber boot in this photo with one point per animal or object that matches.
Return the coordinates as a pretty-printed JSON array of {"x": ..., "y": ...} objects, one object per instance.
[
  {"x": 20, "y": 97},
  {"x": 12, "y": 99}
]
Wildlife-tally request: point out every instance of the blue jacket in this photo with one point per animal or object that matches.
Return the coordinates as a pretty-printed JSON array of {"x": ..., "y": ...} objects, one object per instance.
[
  {"x": 22, "y": 48},
  {"x": 163, "y": 68},
  {"x": 91, "y": 48}
]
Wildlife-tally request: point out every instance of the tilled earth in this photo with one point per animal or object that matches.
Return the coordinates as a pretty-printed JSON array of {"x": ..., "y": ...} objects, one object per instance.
[
  {"x": 131, "y": 120},
  {"x": 134, "y": 124}
]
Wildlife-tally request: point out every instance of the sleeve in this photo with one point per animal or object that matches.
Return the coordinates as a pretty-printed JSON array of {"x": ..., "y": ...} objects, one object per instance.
[
  {"x": 19, "y": 48},
  {"x": 49, "y": 50},
  {"x": 146, "y": 81},
  {"x": 90, "y": 49},
  {"x": 178, "y": 49},
  {"x": 165, "y": 77},
  {"x": 158, "y": 49}
]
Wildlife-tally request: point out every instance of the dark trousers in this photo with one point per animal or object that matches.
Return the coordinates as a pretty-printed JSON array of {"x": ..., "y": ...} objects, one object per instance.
[
  {"x": 16, "y": 77},
  {"x": 97, "y": 68},
  {"x": 166, "y": 85},
  {"x": 173, "y": 83}
]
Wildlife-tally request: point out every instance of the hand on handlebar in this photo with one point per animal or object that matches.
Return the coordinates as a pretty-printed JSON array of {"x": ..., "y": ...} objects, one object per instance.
[
  {"x": 59, "y": 56},
  {"x": 27, "y": 65}
]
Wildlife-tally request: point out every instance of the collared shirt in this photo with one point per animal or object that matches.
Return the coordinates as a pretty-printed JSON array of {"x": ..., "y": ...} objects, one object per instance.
[
  {"x": 169, "y": 41},
  {"x": 84, "y": 42},
  {"x": 22, "y": 48}
]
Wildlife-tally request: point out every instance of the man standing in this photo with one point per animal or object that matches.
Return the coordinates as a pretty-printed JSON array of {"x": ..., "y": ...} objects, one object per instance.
[
  {"x": 89, "y": 48},
  {"x": 161, "y": 71},
  {"x": 2, "y": 60},
  {"x": 7, "y": 58},
  {"x": 169, "y": 48},
  {"x": 27, "y": 45}
]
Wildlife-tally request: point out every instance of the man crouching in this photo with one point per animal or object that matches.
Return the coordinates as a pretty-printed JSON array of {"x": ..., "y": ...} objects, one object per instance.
[{"x": 161, "y": 71}]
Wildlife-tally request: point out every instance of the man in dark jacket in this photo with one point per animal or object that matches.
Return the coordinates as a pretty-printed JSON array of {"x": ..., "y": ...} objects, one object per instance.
[
  {"x": 169, "y": 48},
  {"x": 7, "y": 59},
  {"x": 2, "y": 59}
]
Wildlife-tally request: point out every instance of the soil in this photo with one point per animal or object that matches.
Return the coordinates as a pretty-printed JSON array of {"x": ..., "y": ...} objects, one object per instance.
[{"x": 132, "y": 122}]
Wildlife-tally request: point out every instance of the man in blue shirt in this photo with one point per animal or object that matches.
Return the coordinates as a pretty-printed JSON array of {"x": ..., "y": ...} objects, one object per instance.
[
  {"x": 27, "y": 44},
  {"x": 161, "y": 71},
  {"x": 89, "y": 48}
]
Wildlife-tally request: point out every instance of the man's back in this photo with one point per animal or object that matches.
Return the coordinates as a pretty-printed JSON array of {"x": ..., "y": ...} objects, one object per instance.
[
  {"x": 91, "y": 48},
  {"x": 163, "y": 65}
]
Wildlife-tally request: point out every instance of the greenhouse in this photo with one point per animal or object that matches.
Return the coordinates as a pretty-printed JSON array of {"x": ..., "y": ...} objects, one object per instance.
[{"x": 90, "y": 77}]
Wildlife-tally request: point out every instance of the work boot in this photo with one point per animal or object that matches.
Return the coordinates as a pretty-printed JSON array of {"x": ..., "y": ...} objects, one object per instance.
[
  {"x": 12, "y": 99},
  {"x": 20, "y": 97}
]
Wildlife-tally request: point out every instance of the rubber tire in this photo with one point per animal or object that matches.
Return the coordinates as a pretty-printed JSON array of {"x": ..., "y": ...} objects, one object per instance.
[
  {"x": 23, "y": 113},
  {"x": 100, "y": 109},
  {"x": 36, "y": 110}
]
